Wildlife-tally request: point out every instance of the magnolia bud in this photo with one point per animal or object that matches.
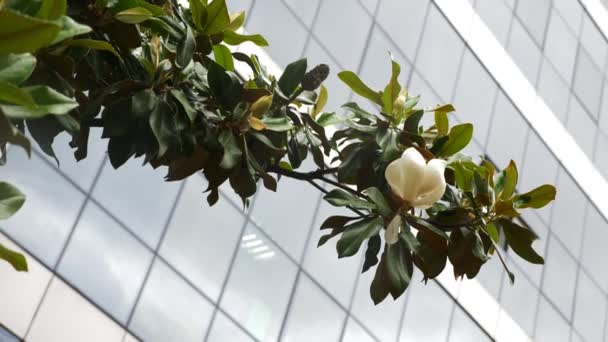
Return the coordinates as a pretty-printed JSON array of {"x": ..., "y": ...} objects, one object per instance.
[
  {"x": 313, "y": 79},
  {"x": 399, "y": 104}
]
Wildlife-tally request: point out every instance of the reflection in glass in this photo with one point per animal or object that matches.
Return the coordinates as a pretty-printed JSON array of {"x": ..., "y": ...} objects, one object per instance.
[
  {"x": 259, "y": 286},
  {"x": 169, "y": 309},
  {"x": 313, "y": 316},
  {"x": 45, "y": 220},
  {"x": 106, "y": 263},
  {"x": 224, "y": 330},
  {"x": 200, "y": 240}
]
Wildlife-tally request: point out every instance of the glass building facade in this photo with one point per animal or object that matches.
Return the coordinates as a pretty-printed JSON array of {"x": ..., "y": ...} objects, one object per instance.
[{"x": 120, "y": 255}]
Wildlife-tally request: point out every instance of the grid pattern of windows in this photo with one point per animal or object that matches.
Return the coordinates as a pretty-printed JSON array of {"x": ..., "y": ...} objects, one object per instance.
[{"x": 186, "y": 272}]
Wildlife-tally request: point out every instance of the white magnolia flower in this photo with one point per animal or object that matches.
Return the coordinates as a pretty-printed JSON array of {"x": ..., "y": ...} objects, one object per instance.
[
  {"x": 414, "y": 181},
  {"x": 418, "y": 183}
]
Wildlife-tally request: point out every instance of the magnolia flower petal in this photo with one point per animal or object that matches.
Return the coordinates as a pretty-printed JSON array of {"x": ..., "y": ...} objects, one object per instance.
[
  {"x": 394, "y": 176},
  {"x": 412, "y": 168},
  {"x": 391, "y": 234},
  {"x": 433, "y": 184}
]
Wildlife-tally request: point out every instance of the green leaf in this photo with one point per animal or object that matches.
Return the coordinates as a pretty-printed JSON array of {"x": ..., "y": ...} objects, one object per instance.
[
  {"x": 392, "y": 89},
  {"x": 466, "y": 253},
  {"x": 358, "y": 111},
  {"x": 446, "y": 108},
  {"x": 421, "y": 224},
  {"x": 16, "y": 68},
  {"x": 341, "y": 198},
  {"x": 51, "y": 9},
  {"x": 134, "y": 15},
  {"x": 328, "y": 119},
  {"x": 15, "y": 95},
  {"x": 217, "y": 17},
  {"x": 506, "y": 181},
  {"x": 398, "y": 268},
  {"x": 95, "y": 45},
  {"x": 11, "y": 200},
  {"x": 277, "y": 124},
  {"x": 159, "y": 119},
  {"x": 413, "y": 121},
  {"x": 360, "y": 88},
  {"x": 378, "y": 198},
  {"x": 69, "y": 29},
  {"x": 355, "y": 233},
  {"x": 236, "y": 21},
  {"x": 441, "y": 122},
  {"x": 233, "y": 38},
  {"x": 225, "y": 86},
  {"x": 185, "y": 49},
  {"x": 536, "y": 198},
  {"x": 199, "y": 13},
  {"x": 459, "y": 138},
  {"x": 20, "y": 33},
  {"x": 223, "y": 57},
  {"x": 17, "y": 260},
  {"x": 371, "y": 254},
  {"x": 520, "y": 240},
  {"x": 48, "y": 101},
  {"x": 181, "y": 98},
  {"x": 432, "y": 254},
  {"x": 292, "y": 76},
  {"x": 320, "y": 103},
  {"x": 232, "y": 151}
]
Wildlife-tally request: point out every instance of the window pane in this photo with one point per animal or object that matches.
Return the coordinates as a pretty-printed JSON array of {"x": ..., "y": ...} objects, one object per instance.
[
  {"x": 497, "y": 15},
  {"x": 200, "y": 240},
  {"x": 133, "y": 189},
  {"x": 405, "y": 33},
  {"x": 474, "y": 96},
  {"x": 264, "y": 19},
  {"x": 571, "y": 11},
  {"x": 590, "y": 309},
  {"x": 259, "y": 286},
  {"x": 427, "y": 314},
  {"x": 508, "y": 133},
  {"x": 105, "y": 262},
  {"x": 554, "y": 90},
  {"x": 524, "y": 51},
  {"x": 169, "y": 309},
  {"x": 534, "y": 15},
  {"x": 588, "y": 82},
  {"x": 365, "y": 310},
  {"x": 594, "y": 252},
  {"x": 593, "y": 41},
  {"x": 560, "y": 277},
  {"x": 336, "y": 29},
  {"x": 561, "y": 46},
  {"x": 7, "y": 336},
  {"x": 519, "y": 300},
  {"x": 336, "y": 275},
  {"x": 581, "y": 126},
  {"x": 304, "y": 9},
  {"x": 539, "y": 167},
  {"x": 47, "y": 216},
  {"x": 438, "y": 38},
  {"x": 355, "y": 333},
  {"x": 568, "y": 212},
  {"x": 224, "y": 330},
  {"x": 313, "y": 316},
  {"x": 550, "y": 325},
  {"x": 293, "y": 199},
  {"x": 464, "y": 329}
]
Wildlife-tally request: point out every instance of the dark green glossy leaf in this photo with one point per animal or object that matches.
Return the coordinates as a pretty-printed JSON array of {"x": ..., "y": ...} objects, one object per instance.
[
  {"x": 292, "y": 76},
  {"x": 520, "y": 240},
  {"x": 379, "y": 200},
  {"x": 185, "y": 49},
  {"x": 217, "y": 17},
  {"x": 356, "y": 85},
  {"x": 412, "y": 122},
  {"x": 371, "y": 254},
  {"x": 183, "y": 101},
  {"x": 135, "y": 15},
  {"x": 69, "y": 29},
  {"x": 14, "y": 95},
  {"x": 341, "y": 198},
  {"x": 232, "y": 151},
  {"x": 506, "y": 181},
  {"x": 277, "y": 124},
  {"x": 355, "y": 233}
]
